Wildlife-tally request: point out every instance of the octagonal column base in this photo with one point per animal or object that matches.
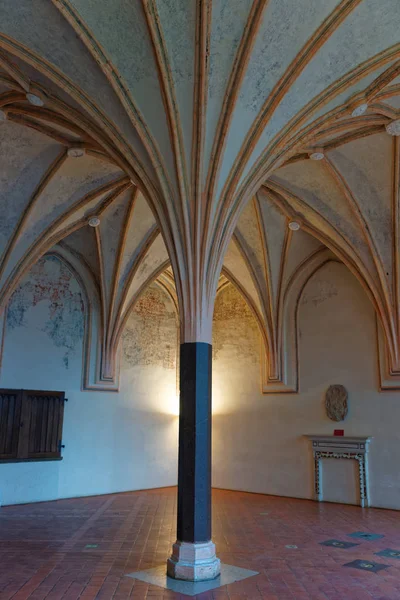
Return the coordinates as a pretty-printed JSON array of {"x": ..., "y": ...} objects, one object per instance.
[{"x": 193, "y": 562}]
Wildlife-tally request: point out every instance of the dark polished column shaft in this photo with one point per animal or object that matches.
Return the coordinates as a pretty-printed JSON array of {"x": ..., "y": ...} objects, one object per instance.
[{"x": 194, "y": 469}]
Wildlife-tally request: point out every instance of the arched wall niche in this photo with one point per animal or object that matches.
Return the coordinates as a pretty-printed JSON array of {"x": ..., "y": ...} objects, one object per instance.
[
  {"x": 290, "y": 382},
  {"x": 165, "y": 282},
  {"x": 387, "y": 380},
  {"x": 91, "y": 360},
  {"x": 66, "y": 320},
  {"x": 162, "y": 278},
  {"x": 158, "y": 274},
  {"x": 91, "y": 355},
  {"x": 150, "y": 336},
  {"x": 91, "y": 379},
  {"x": 290, "y": 331}
]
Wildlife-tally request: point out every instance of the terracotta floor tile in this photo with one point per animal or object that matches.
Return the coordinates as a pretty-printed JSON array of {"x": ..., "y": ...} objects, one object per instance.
[{"x": 82, "y": 548}]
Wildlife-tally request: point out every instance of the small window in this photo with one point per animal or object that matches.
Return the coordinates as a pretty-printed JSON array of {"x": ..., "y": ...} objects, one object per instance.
[{"x": 30, "y": 425}]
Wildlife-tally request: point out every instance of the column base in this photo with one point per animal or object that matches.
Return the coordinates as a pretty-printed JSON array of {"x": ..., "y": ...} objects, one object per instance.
[{"x": 193, "y": 562}]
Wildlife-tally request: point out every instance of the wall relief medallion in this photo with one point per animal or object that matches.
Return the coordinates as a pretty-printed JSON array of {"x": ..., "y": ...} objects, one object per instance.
[{"x": 336, "y": 402}]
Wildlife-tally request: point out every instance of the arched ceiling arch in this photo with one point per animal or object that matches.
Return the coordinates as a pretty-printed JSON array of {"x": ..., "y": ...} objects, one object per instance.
[
  {"x": 201, "y": 104},
  {"x": 351, "y": 198}
]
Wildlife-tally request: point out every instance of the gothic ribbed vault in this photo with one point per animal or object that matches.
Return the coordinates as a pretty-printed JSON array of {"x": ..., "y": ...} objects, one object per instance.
[{"x": 187, "y": 128}]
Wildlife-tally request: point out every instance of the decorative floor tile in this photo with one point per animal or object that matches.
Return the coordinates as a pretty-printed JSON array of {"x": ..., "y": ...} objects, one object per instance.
[
  {"x": 366, "y": 536},
  {"x": 338, "y": 544},
  {"x": 366, "y": 565},
  {"x": 158, "y": 577},
  {"x": 389, "y": 553}
]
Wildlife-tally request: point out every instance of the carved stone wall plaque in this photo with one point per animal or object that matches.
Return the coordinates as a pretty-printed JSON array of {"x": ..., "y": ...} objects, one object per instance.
[{"x": 336, "y": 402}]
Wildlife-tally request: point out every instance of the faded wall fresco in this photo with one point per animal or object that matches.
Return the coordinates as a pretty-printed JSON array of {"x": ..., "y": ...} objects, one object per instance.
[
  {"x": 50, "y": 281},
  {"x": 235, "y": 330},
  {"x": 151, "y": 334}
]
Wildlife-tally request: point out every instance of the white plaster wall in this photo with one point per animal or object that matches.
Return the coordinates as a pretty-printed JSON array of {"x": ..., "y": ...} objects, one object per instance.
[
  {"x": 257, "y": 439},
  {"x": 127, "y": 441},
  {"x": 114, "y": 441}
]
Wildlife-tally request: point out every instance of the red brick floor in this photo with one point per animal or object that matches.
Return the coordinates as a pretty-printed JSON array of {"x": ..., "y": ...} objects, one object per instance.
[{"x": 43, "y": 554}]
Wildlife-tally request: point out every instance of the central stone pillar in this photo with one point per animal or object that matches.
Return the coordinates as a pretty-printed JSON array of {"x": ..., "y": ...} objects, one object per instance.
[{"x": 193, "y": 555}]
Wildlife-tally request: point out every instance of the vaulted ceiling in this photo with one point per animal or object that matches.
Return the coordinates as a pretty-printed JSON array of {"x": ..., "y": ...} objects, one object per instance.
[{"x": 197, "y": 119}]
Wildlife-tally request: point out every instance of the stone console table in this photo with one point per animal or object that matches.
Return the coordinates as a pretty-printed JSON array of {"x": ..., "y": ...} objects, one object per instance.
[{"x": 329, "y": 446}]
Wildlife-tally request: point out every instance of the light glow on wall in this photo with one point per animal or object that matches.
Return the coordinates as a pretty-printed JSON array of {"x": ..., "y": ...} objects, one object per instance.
[
  {"x": 172, "y": 405},
  {"x": 217, "y": 396}
]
